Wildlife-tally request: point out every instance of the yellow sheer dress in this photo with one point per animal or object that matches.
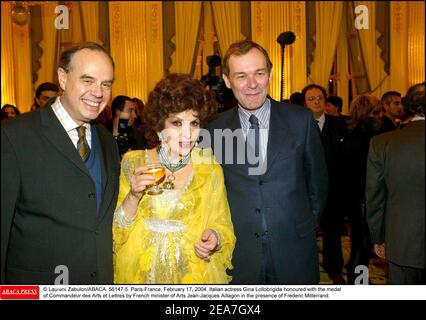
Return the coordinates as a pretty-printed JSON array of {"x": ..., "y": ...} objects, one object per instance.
[{"x": 158, "y": 248}]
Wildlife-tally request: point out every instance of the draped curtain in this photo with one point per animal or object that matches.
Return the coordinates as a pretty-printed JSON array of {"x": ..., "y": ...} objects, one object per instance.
[
  {"x": 342, "y": 76},
  {"x": 47, "y": 71},
  {"x": 89, "y": 16},
  {"x": 399, "y": 61},
  {"x": 136, "y": 47},
  {"x": 227, "y": 18},
  {"x": 22, "y": 66},
  {"x": 207, "y": 42},
  {"x": 269, "y": 20},
  {"x": 328, "y": 17},
  {"x": 416, "y": 43},
  {"x": 297, "y": 51},
  {"x": 371, "y": 52},
  {"x": 187, "y": 18},
  {"x": 7, "y": 65}
]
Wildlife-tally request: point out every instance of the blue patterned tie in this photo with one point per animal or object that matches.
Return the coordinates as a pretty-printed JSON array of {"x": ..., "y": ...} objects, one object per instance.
[{"x": 254, "y": 126}]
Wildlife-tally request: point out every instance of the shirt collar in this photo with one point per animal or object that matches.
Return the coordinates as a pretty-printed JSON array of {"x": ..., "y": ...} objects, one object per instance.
[
  {"x": 67, "y": 122},
  {"x": 259, "y": 113}
]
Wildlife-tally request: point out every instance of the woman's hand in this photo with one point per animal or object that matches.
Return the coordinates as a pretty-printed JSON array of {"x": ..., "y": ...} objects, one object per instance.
[
  {"x": 207, "y": 245},
  {"x": 140, "y": 181}
]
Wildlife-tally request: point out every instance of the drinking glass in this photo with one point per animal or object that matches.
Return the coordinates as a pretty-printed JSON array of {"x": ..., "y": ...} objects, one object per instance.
[{"x": 158, "y": 172}]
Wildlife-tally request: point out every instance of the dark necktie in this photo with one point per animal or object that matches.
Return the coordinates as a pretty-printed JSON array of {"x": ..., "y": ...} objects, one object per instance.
[
  {"x": 82, "y": 145},
  {"x": 254, "y": 129}
]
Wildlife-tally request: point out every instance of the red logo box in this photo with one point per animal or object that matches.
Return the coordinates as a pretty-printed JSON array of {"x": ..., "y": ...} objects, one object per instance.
[{"x": 19, "y": 292}]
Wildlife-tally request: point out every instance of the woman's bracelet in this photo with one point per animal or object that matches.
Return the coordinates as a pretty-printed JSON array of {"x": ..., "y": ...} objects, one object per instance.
[{"x": 120, "y": 218}]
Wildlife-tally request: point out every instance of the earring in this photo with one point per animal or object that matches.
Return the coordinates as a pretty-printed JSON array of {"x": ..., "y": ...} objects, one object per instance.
[{"x": 160, "y": 137}]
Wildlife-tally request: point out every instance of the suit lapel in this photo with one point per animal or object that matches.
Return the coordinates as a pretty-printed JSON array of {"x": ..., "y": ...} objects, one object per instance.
[
  {"x": 103, "y": 155},
  {"x": 106, "y": 170},
  {"x": 278, "y": 134},
  {"x": 56, "y": 134},
  {"x": 239, "y": 144}
]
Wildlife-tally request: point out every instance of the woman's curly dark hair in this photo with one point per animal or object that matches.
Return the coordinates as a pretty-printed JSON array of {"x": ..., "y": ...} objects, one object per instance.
[{"x": 176, "y": 93}]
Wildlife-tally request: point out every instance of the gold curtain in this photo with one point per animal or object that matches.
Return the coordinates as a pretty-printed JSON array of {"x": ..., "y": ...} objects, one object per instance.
[
  {"x": 374, "y": 65},
  {"x": 269, "y": 20},
  {"x": 207, "y": 47},
  {"x": 136, "y": 47},
  {"x": 227, "y": 18},
  {"x": 398, "y": 46},
  {"x": 342, "y": 79},
  {"x": 90, "y": 21},
  {"x": 187, "y": 18},
  {"x": 328, "y": 17},
  {"x": 297, "y": 51},
  {"x": 47, "y": 72},
  {"x": 7, "y": 63},
  {"x": 416, "y": 43},
  {"x": 22, "y": 66}
]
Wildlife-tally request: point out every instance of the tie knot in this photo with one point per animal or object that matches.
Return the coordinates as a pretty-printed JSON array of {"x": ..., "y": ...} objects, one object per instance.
[
  {"x": 81, "y": 131},
  {"x": 254, "y": 121}
]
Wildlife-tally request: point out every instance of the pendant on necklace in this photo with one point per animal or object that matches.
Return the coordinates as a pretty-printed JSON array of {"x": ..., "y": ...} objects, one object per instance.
[{"x": 169, "y": 185}]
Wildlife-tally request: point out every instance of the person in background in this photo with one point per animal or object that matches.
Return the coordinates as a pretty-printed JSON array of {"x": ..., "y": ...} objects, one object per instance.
[
  {"x": 121, "y": 126},
  {"x": 332, "y": 132},
  {"x": 364, "y": 123},
  {"x": 9, "y": 111},
  {"x": 139, "y": 123},
  {"x": 395, "y": 192},
  {"x": 333, "y": 106},
  {"x": 393, "y": 110},
  {"x": 296, "y": 98},
  {"x": 44, "y": 93}
]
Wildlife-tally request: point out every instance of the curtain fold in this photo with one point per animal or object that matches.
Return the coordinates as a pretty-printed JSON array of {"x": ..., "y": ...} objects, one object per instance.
[
  {"x": 47, "y": 72},
  {"x": 7, "y": 63},
  {"x": 374, "y": 65},
  {"x": 128, "y": 48},
  {"x": 342, "y": 66},
  {"x": 398, "y": 45},
  {"x": 416, "y": 43},
  {"x": 207, "y": 47},
  {"x": 297, "y": 51},
  {"x": 328, "y": 17},
  {"x": 22, "y": 66},
  {"x": 89, "y": 16},
  {"x": 227, "y": 18},
  {"x": 269, "y": 20},
  {"x": 187, "y": 18}
]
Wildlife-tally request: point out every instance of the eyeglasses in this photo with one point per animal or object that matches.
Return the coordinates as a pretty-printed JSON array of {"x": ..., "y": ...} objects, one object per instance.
[{"x": 312, "y": 98}]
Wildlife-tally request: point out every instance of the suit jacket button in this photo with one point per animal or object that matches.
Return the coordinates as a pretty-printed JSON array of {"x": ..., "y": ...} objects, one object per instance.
[
  {"x": 261, "y": 182},
  {"x": 91, "y": 195},
  {"x": 257, "y": 235},
  {"x": 257, "y": 210},
  {"x": 93, "y": 274}
]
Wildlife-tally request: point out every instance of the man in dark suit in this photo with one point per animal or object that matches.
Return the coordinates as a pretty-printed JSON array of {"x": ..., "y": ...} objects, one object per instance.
[
  {"x": 332, "y": 134},
  {"x": 395, "y": 192},
  {"x": 59, "y": 181},
  {"x": 122, "y": 125},
  {"x": 275, "y": 174},
  {"x": 393, "y": 110}
]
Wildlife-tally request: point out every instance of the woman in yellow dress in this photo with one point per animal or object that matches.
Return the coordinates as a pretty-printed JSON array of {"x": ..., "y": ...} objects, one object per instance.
[{"x": 183, "y": 235}]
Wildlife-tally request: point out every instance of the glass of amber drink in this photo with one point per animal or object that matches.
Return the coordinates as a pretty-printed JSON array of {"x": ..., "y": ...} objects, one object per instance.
[{"x": 158, "y": 172}]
